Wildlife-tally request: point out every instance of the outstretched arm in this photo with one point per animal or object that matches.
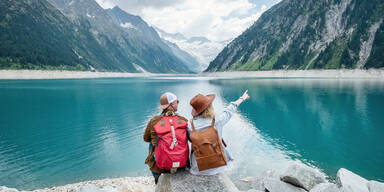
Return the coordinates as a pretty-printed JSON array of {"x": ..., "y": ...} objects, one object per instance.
[
  {"x": 226, "y": 115},
  {"x": 244, "y": 97}
]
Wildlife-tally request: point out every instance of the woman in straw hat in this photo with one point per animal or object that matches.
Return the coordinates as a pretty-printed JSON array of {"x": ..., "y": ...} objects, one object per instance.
[{"x": 203, "y": 115}]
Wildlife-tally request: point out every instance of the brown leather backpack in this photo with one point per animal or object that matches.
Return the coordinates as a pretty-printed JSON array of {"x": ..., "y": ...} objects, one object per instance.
[{"x": 206, "y": 146}]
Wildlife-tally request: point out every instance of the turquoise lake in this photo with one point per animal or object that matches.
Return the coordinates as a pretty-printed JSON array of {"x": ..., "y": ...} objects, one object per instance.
[{"x": 55, "y": 132}]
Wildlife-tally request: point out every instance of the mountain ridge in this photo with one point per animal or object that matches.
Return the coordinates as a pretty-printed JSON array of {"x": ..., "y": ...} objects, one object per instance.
[
  {"x": 77, "y": 35},
  {"x": 332, "y": 34},
  {"x": 201, "y": 48}
]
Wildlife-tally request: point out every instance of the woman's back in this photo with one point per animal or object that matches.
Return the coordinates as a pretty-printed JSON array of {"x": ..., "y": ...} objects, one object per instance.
[
  {"x": 203, "y": 114},
  {"x": 201, "y": 123}
]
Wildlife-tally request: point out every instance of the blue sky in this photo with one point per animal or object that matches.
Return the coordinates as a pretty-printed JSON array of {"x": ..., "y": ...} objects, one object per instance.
[{"x": 217, "y": 20}]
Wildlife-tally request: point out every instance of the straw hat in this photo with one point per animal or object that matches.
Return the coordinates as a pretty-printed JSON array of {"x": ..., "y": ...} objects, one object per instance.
[
  {"x": 166, "y": 99},
  {"x": 200, "y": 102}
]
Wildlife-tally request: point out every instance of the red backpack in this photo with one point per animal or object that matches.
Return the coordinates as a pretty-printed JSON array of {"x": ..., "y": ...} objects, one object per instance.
[{"x": 172, "y": 150}]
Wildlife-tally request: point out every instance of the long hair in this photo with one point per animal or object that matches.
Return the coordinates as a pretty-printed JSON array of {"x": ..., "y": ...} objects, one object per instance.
[
  {"x": 208, "y": 113},
  {"x": 168, "y": 112}
]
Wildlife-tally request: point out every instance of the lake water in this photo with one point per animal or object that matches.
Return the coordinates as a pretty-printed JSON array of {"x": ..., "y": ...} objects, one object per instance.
[{"x": 55, "y": 132}]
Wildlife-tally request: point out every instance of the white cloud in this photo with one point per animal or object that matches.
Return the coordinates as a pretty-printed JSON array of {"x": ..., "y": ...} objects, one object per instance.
[
  {"x": 217, "y": 20},
  {"x": 106, "y": 4}
]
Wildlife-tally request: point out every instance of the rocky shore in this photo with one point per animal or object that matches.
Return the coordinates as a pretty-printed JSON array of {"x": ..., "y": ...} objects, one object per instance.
[
  {"x": 302, "y": 178},
  {"x": 297, "y": 178},
  {"x": 124, "y": 184}
]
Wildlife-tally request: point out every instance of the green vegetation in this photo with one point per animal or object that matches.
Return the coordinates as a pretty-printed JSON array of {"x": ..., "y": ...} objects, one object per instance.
[
  {"x": 15, "y": 64},
  {"x": 36, "y": 38},
  {"x": 36, "y": 35},
  {"x": 301, "y": 26},
  {"x": 270, "y": 62},
  {"x": 330, "y": 58},
  {"x": 376, "y": 60},
  {"x": 250, "y": 66}
]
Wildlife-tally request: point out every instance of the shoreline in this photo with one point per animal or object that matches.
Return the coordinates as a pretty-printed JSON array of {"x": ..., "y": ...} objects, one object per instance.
[
  {"x": 296, "y": 178},
  {"x": 140, "y": 183},
  {"x": 338, "y": 74},
  {"x": 322, "y": 73},
  {"x": 55, "y": 74}
]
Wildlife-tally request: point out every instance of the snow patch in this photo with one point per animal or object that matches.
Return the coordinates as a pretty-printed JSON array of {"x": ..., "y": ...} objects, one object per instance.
[
  {"x": 139, "y": 68},
  {"x": 90, "y": 16},
  {"x": 128, "y": 25},
  {"x": 78, "y": 55},
  {"x": 204, "y": 50}
]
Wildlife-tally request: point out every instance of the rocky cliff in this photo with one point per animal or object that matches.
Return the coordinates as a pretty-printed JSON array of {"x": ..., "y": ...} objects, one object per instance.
[{"x": 324, "y": 34}]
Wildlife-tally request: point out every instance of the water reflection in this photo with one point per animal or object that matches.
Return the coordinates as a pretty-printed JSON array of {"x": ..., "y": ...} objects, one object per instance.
[
  {"x": 332, "y": 123},
  {"x": 55, "y": 132}
]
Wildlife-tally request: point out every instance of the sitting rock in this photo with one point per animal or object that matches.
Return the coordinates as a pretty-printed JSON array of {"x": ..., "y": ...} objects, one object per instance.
[
  {"x": 250, "y": 183},
  {"x": 374, "y": 186},
  {"x": 275, "y": 185},
  {"x": 244, "y": 184},
  {"x": 348, "y": 181},
  {"x": 184, "y": 181},
  {"x": 303, "y": 176},
  {"x": 325, "y": 187}
]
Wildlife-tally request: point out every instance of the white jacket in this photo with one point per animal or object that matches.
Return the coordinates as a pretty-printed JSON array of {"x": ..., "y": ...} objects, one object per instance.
[{"x": 201, "y": 123}]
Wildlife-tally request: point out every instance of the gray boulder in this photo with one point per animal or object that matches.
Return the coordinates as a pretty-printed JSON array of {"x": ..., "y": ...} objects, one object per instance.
[
  {"x": 325, "y": 187},
  {"x": 374, "y": 186},
  {"x": 184, "y": 181},
  {"x": 275, "y": 185},
  {"x": 303, "y": 176},
  {"x": 350, "y": 182}
]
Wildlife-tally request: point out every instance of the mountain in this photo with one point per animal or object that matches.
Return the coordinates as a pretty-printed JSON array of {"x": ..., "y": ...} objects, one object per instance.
[
  {"x": 35, "y": 35},
  {"x": 188, "y": 60},
  {"x": 201, "y": 48},
  {"x": 77, "y": 35},
  {"x": 137, "y": 28},
  {"x": 312, "y": 34},
  {"x": 149, "y": 57}
]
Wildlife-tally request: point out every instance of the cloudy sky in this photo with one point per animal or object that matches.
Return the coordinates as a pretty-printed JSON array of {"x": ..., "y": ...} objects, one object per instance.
[{"x": 216, "y": 20}]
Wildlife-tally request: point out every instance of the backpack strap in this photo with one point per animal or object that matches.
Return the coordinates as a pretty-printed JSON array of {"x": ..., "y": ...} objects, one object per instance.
[
  {"x": 213, "y": 123},
  {"x": 222, "y": 140},
  {"x": 193, "y": 126},
  {"x": 174, "y": 139},
  {"x": 162, "y": 122}
]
